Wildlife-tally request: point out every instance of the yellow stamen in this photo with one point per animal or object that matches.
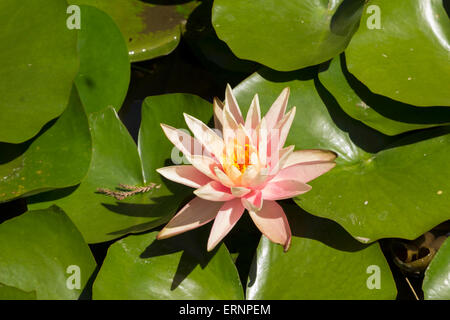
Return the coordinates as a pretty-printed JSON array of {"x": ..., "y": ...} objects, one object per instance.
[{"x": 238, "y": 156}]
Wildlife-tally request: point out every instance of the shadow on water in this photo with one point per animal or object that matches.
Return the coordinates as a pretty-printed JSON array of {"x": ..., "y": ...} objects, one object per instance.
[{"x": 12, "y": 209}]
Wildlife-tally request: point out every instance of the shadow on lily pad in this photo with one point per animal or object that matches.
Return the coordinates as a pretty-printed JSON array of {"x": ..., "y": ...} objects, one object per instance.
[
  {"x": 305, "y": 225},
  {"x": 393, "y": 109},
  {"x": 193, "y": 247}
]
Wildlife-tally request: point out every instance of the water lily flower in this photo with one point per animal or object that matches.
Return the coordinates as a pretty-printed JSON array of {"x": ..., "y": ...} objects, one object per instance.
[{"x": 242, "y": 165}]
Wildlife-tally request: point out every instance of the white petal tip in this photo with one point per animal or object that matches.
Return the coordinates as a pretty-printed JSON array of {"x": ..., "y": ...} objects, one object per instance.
[
  {"x": 211, "y": 247},
  {"x": 162, "y": 235},
  {"x": 287, "y": 245}
]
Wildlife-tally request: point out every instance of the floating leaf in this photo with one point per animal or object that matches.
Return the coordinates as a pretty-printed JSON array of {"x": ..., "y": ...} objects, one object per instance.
[
  {"x": 141, "y": 267},
  {"x": 116, "y": 160},
  {"x": 104, "y": 64},
  {"x": 59, "y": 157},
  {"x": 370, "y": 193},
  {"x": 286, "y": 34},
  {"x": 42, "y": 252},
  {"x": 323, "y": 262},
  {"x": 39, "y": 62},
  {"x": 437, "y": 276},
  {"x": 407, "y": 58},
  {"x": 11, "y": 293},
  {"x": 383, "y": 114},
  {"x": 149, "y": 30}
]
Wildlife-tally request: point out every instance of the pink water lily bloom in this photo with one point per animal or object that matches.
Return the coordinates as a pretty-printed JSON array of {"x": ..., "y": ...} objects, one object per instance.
[{"x": 242, "y": 165}]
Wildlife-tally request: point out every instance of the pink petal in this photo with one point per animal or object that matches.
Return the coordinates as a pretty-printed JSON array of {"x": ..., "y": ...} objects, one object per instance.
[
  {"x": 277, "y": 136},
  {"x": 253, "y": 201},
  {"x": 223, "y": 178},
  {"x": 239, "y": 191},
  {"x": 205, "y": 136},
  {"x": 284, "y": 126},
  {"x": 226, "y": 218},
  {"x": 184, "y": 141},
  {"x": 304, "y": 172},
  {"x": 277, "y": 110},
  {"x": 205, "y": 165},
  {"x": 214, "y": 191},
  {"x": 253, "y": 115},
  {"x": 234, "y": 173},
  {"x": 284, "y": 189},
  {"x": 230, "y": 126},
  {"x": 278, "y": 159},
  {"x": 253, "y": 176},
  {"x": 249, "y": 175},
  {"x": 262, "y": 141},
  {"x": 193, "y": 215},
  {"x": 187, "y": 175},
  {"x": 218, "y": 113},
  {"x": 309, "y": 155},
  {"x": 272, "y": 222},
  {"x": 230, "y": 100}
]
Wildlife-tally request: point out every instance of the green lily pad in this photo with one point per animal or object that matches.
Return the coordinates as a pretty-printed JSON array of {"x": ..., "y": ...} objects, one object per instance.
[
  {"x": 407, "y": 58},
  {"x": 141, "y": 267},
  {"x": 35, "y": 79},
  {"x": 437, "y": 276},
  {"x": 116, "y": 160},
  {"x": 59, "y": 157},
  {"x": 42, "y": 253},
  {"x": 286, "y": 34},
  {"x": 382, "y": 186},
  {"x": 104, "y": 64},
  {"x": 323, "y": 262},
  {"x": 11, "y": 293},
  {"x": 149, "y": 30},
  {"x": 383, "y": 114}
]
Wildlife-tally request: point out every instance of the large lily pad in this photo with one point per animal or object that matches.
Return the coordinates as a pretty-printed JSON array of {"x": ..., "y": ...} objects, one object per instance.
[
  {"x": 104, "y": 64},
  {"x": 286, "y": 34},
  {"x": 116, "y": 160},
  {"x": 141, "y": 267},
  {"x": 149, "y": 30},
  {"x": 323, "y": 262},
  {"x": 383, "y": 190},
  {"x": 407, "y": 58},
  {"x": 59, "y": 157},
  {"x": 37, "y": 253},
  {"x": 11, "y": 293},
  {"x": 437, "y": 276},
  {"x": 35, "y": 79},
  {"x": 383, "y": 114}
]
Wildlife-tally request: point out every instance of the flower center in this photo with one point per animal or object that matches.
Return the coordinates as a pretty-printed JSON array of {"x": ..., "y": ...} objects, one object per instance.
[{"x": 239, "y": 155}]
